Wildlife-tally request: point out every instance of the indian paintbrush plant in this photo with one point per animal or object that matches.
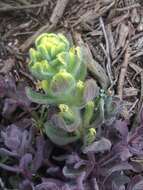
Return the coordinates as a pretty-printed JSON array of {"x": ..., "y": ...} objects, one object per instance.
[{"x": 61, "y": 73}]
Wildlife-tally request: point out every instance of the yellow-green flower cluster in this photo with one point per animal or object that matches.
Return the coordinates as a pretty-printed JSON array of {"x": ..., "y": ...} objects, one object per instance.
[{"x": 60, "y": 69}]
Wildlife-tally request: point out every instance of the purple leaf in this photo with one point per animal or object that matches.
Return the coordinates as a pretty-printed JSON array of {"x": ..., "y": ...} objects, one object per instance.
[
  {"x": 71, "y": 173},
  {"x": 117, "y": 187},
  {"x": 12, "y": 137},
  {"x": 119, "y": 167},
  {"x": 72, "y": 158},
  {"x": 6, "y": 152},
  {"x": 122, "y": 150},
  {"x": 122, "y": 127},
  {"x": 15, "y": 169},
  {"x": 98, "y": 146},
  {"x": 24, "y": 165},
  {"x": 136, "y": 183},
  {"x": 2, "y": 87},
  {"x": 50, "y": 184},
  {"x": 25, "y": 161},
  {"x": 95, "y": 184},
  {"x": 26, "y": 185},
  {"x": 39, "y": 155},
  {"x": 91, "y": 90},
  {"x": 80, "y": 181},
  {"x": 16, "y": 139}
]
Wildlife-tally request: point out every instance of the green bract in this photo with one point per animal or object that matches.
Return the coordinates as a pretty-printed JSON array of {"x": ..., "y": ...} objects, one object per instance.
[{"x": 59, "y": 68}]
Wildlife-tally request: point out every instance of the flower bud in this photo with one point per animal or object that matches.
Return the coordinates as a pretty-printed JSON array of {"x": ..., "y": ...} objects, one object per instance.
[
  {"x": 51, "y": 44},
  {"x": 67, "y": 113}
]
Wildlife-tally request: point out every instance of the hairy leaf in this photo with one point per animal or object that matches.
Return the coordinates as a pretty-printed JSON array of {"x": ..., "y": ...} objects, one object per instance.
[{"x": 59, "y": 137}]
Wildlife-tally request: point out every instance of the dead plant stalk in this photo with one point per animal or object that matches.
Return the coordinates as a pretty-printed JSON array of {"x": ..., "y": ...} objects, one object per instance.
[
  {"x": 108, "y": 65},
  {"x": 123, "y": 73}
]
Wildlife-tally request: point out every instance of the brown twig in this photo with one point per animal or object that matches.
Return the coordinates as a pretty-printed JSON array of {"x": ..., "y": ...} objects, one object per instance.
[
  {"x": 108, "y": 66},
  {"x": 140, "y": 104},
  {"x": 93, "y": 14},
  {"x": 141, "y": 74},
  {"x": 133, "y": 106},
  {"x": 55, "y": 17},
  {"x": 111, "y": 40},
  {"x": 138, "y": 54},
  {"x": 11, "y": 8},
  {"x": 25, "y": 74},
  {"x": 120, "y": 54},
  {"x": 119, "y": 19},
  {"x": 24, "y": 2},
  {"x": 123, "y": 74},
  {"x": 124, "y": 31},
  {"x": 15, "y": 29},
  {"x": 136, "y": 68},
  {"x": 128, "y": 7},
  {"x": 137, "y": 36}
]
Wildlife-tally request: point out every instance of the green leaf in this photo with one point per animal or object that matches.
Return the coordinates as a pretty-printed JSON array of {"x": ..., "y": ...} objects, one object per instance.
[
  {"x": 63, "y": 58},
  {"x": 67, "y": 113},
  {"x": 47, "y": 98},
  {"x": 89, "y": 136},
  {"x": 62, "y": 83},
  {"x": 57, "y": 136},
  {"x": 99, "y": 146},
  {"x": 34, "y": 56},
  {"x": 60, "y": 120},
  {"x": 53, "y": 44},
  {"x": 45, "y": 86},
  {"x": 91, "y": 90},
  {"x": 64, "y": 40},
  {"x": 42, "y": 70},
  {"x": 99, "y": 112},
  {"x": 78, "y": 94},
  {"x": 44, "y": 52},
  {"x": 39, "y": 98},
  {"x": 88, "y": 113},
  {"x": 41, "y": 38},
  {"x": 82, "y": 72},
  {"x": 57, "y": 49},
  {"x": 75, "y": 64}
]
